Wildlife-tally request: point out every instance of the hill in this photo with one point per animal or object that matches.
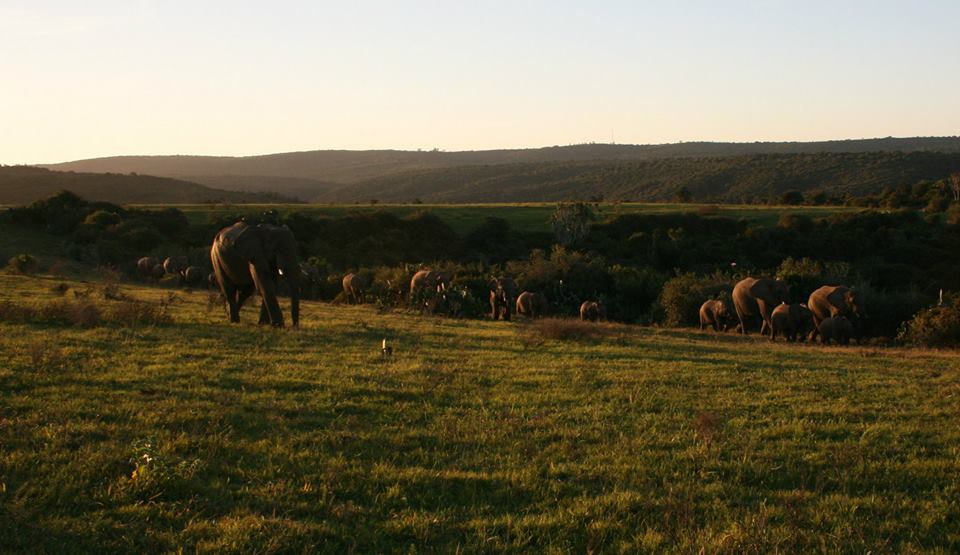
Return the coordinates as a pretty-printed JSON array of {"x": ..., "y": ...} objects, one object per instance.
[
  {"x": 719, "y": 179},
  {"x": 25, "y": 184},
  {"x": 326, "y": 167}
]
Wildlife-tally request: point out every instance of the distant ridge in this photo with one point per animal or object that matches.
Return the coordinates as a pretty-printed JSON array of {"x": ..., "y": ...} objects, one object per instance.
[
  {"x": 25, "y": 184},
  {"x": 323, "y": 174}
]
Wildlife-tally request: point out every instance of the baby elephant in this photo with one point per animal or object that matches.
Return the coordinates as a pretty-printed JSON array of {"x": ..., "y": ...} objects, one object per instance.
[
  {"x": 791, "y": 321},
  {"x": 838, "y": 329},
  {"x": 591, "y": 311},
  {"x": 716, "y": 314}
]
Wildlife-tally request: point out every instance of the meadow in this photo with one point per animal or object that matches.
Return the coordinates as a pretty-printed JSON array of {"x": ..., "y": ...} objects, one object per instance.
[{"x": 190, "y": 434}]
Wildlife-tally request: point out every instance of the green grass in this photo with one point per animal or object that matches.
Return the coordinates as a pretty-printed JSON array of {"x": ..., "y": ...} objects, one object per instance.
[
  {"x": 475, "y": 436},
  {"x": 528, "y": 217}
]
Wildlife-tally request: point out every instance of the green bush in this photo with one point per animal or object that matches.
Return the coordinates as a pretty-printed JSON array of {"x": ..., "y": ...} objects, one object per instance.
[
  {"x": 938, "y": 326},
  {"x": 888, "y": 310},
  {"x": 683, "y": 295}
]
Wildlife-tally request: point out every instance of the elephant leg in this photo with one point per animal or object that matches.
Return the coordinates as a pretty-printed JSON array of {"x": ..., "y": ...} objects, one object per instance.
[
  {"x": 263, "y": 280},
  {"x": 742, "y": 329},
  {"x": 231, "y": 293},
  {"x": 765, "y": 315}
]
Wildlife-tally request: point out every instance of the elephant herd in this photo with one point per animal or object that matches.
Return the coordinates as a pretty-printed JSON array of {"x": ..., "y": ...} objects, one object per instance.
[
  {"x": 152, "y": 268},
  {"x": 248, "y": 259},
  {"x": 832, "y": 312}
]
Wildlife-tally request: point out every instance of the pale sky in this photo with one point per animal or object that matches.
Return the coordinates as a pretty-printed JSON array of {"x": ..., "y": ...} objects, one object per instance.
[{"x": 100, "y": 78}]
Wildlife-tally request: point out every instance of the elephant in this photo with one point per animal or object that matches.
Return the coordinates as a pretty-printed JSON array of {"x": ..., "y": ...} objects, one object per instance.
[
  {"x": 194, "y": 275},
  {"x": 175, "y": 265},
  {"x": 427, "y": 288},
  {"x": 752, "y": 296},
  {"x": 836, "y": 328},
  {"x": 592, "y": 311},
  {"x": 212, "y": 281},
  {"x": 248, "y": 258},
  {"x": 312, "y": 281},
  {"x": 158, "y": 271},
  {"x": 503, "y": 292},
  {"x": 532, "y": 305},
  {"x": 428, "y": 280},
  {"x": 353, "y": 288},
  {"x": 145, "y": 266},
  {"x": 835, "y": 300},
  {"x": 716, "y": 314},
  {"x": 791, "y": 321}
]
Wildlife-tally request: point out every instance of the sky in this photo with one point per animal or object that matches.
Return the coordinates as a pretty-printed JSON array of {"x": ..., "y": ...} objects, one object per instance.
[{"x": 101, "y": 78}]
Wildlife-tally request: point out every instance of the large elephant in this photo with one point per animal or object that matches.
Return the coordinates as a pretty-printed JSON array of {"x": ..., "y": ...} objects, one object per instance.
[
  {"x": 145, "y": 266},
  {"x": 248, "y": 258},
  {"x": 194, "y": 275},
  {"x": 428, "y": 280},
  {"x": 753, "y": 296},
  {"x": 716, "y": 314},
  {"x": 791, "y": 321},
  {"x": 837, "y": 329},
  {"x": 428, "y": 288},
  {"x": 532, "y": 305},
  {"x": 591, "y": 311},
  {"x": 503, "y": 292},
  {"x": 832, "y": 301},
  {"x": 353, "y": 288}
]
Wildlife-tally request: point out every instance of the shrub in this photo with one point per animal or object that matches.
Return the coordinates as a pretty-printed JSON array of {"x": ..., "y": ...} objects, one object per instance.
[
  {"x": 806, "y": 275},
  {"x": 132, "y": 313},
  {"x": 23, "y": 264},
  {"x": 45, "y": 357},
  {"x": 888, "y": 310},
  {"x": 68, "y": 313},
  {"x": 683, "y": 295},
  {"x": 563, "y": 329},
  {"x": 937, "y": 326}
]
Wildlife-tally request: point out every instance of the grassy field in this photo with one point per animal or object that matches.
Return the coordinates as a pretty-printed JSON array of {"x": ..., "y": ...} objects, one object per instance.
[
  {"x": 475, "y": 436},
  {"x": 532, "y": 217}
]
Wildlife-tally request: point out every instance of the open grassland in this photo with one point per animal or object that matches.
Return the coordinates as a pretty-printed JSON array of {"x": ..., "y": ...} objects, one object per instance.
[
  {"x": 475, "y": 436},
  {"x": 528, "y": 217}
]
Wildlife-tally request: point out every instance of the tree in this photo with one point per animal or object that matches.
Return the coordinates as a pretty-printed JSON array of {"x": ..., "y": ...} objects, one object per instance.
[{"x": 571, "y": 222}]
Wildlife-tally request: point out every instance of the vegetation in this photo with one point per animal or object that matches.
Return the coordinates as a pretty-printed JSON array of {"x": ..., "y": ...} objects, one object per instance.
[
  {"x": 198, "y": 435},
  {"x": 759, "y": 178},
  {"x": 645, "y": 268}
]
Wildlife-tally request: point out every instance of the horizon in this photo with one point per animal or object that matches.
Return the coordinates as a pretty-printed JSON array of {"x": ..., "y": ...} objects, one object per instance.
[
  {"x": 238, "y": 79},
  {"x": 442, "y": 151}
]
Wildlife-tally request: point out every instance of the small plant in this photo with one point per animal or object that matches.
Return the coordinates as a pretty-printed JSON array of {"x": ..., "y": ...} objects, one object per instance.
[
  {"x": 708, "y": 427},
  {"x": 45, "y": 357},
  {"x": 23, "y": 264}
]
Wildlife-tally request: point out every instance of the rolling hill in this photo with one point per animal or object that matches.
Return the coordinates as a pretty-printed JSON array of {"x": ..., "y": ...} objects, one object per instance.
[
  {"x": 719, "y": 179},
  {"x": 25, "y": 184},
  {"x": 711, "y": 171},
  {"x": 350, "y": 166}
]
